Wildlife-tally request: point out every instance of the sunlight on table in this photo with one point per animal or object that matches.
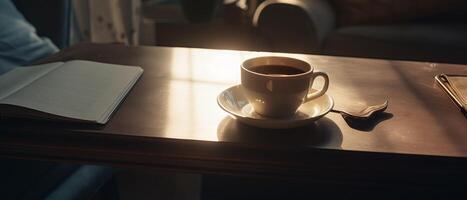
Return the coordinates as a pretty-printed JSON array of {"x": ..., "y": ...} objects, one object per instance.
[{"x": 197, "y": 77}]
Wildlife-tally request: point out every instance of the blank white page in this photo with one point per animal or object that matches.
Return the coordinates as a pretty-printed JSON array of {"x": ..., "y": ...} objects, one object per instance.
[
  {"x": 19, "y": 77},
  {"x": 78, "y": 89}
]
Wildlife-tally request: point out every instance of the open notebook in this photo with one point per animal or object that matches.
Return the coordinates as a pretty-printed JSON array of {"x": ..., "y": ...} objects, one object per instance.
[{"x": 78, "y": 90}]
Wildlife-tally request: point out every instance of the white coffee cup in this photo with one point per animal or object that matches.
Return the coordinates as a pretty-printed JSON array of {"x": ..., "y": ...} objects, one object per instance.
[{"x": 277, "y": 86}]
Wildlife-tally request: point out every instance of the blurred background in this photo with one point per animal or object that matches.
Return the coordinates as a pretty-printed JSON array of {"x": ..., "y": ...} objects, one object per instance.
[
  {"x": 423, "y": 30},
  {"x": 419, "y": 30}
]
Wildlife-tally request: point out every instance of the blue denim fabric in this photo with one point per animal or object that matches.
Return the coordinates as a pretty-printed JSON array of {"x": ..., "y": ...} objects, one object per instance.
[
  {"x": 19, "y": 43},
  {"x": 82, "y": 184}
]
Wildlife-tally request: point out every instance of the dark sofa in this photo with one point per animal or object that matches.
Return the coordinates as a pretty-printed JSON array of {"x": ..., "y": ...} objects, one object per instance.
[{"x": 313, "y": 26}]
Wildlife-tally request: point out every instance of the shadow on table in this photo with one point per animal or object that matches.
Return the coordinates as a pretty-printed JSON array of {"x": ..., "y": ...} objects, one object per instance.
[
  {"x": 322, "y": 133},
  {"x": 368, "y": 125}
]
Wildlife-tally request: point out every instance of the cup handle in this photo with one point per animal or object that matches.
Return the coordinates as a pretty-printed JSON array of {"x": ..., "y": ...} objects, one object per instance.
[{"x": 323, "y": 90}]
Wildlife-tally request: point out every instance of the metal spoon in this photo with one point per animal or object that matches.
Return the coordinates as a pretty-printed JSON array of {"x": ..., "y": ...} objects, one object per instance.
[{"x": 364, "y": 114}]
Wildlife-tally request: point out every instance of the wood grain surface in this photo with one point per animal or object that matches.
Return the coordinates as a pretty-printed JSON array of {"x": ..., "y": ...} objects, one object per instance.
[{"x": 170, "y": 120}]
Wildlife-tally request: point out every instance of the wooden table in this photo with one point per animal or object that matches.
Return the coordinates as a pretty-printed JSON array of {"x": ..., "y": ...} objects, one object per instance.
[{"x": 171, "y": 120}]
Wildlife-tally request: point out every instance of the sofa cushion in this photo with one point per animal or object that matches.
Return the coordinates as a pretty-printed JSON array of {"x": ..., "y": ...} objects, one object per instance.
[
  {"x": 430, "y": 34},
  {"x": 370, "y": 47},
  {"x": 353, "y": 12},
  {"x": 451, "y": 35}
]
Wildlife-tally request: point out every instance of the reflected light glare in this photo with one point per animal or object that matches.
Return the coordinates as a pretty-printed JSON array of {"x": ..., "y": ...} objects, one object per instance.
[
  {"x": 207, "y": 65},
  {"x": 218, "y": 66},
  {"x": 197, "y": 77}
]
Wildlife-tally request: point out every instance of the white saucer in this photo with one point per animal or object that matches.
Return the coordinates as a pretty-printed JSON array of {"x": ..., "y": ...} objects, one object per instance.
[{"x": 233, "y": 101}]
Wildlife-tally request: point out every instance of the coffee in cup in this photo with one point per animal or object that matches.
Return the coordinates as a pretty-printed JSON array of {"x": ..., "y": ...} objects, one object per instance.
[{"x": 277, "y": 86}]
